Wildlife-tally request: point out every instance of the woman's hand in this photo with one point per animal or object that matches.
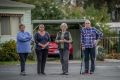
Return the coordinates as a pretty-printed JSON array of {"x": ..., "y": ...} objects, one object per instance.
[
  {"x": 46, "y": 44},
  {"x": 42, "y": 45},
  {"x": 61, "y": 41},
  {"x": 67, "y": 41}
]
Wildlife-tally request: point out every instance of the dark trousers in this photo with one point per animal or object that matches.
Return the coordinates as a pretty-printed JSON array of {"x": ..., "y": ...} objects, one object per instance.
[
  {"x": 23, "y": 57},
  {"x": 41, "y": 59},
  {"x": 89, "y": 53},
  {"x": 64, "y": 57}
]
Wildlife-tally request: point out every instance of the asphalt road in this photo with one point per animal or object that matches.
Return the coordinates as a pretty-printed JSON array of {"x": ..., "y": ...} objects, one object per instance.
[{"x": 104, "y": 71}]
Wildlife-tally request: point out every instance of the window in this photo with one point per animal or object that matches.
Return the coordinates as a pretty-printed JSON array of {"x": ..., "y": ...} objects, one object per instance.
[
  {"x": 5, "y": 25},
  {"x": 14, "y": 22}
]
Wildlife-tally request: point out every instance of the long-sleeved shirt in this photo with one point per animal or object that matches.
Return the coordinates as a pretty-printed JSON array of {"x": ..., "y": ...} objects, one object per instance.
[
  {"x": 89, "y": 35},
  {"x": 41, "y": 39},
  {"x": 23, "y": 42}
]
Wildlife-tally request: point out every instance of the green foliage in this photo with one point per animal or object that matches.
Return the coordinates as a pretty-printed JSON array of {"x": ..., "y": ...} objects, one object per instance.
[
  {"x": 45, "y": 9},
  {"x": 100, "y": 53},
  {"x": 71, "y": 12},
  {"x": 99, "y": 3},
  {"x": 8, "y": 51},
  {"x": 51, "y": 9},
  {"x": 98, "y": 18},
  {"x": 31, "y": 56},
  {"x": 100, "y": 15}
]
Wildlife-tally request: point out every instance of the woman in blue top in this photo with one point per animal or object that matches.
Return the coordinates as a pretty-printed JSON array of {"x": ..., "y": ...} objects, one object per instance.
[
  {"x": 23, "y": 46},
  {"x": 42, "y": 39}
]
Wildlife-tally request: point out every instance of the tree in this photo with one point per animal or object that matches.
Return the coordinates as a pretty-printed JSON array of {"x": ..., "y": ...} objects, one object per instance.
[
  {"x": 50, "y": 9},
  {"x": 71, "y": 12},
  {"x": 99, "y": 3},
  {"x": 45, "y": 9},
  {"x": 99, "y": 18}
]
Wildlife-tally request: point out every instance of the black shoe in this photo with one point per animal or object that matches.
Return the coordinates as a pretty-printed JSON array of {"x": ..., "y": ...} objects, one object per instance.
[
  {"x": 39, "y": 73},
  {"x": 61, "y": 73},
  {"x": 43, "y": 73},
  {"x": 65, "y": 74}
]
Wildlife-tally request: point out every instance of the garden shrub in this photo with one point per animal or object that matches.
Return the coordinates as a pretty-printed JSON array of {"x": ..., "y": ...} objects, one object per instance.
[{"x": 8, "y": 52}]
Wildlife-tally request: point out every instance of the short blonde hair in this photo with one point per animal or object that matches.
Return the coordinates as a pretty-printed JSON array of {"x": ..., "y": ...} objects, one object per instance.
[{"x": 64, "y": 25}]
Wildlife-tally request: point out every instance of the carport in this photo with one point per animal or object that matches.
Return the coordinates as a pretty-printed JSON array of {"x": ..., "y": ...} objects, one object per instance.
[{"x": 52, "y": 26}]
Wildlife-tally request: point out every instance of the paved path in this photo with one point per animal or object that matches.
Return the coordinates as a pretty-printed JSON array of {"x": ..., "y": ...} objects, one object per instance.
[{"x": 104, "y": 71}]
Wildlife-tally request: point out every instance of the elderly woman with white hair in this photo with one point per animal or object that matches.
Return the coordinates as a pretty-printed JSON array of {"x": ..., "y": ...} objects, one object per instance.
[{"x": 63, "y": 39}]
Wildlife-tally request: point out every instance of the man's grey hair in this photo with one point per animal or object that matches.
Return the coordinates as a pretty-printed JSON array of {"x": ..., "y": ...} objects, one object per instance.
[{"x": 87, "y": 21}]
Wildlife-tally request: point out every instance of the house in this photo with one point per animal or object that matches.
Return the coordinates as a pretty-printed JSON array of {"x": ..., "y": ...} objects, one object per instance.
[{"x": 12, "y": 14}]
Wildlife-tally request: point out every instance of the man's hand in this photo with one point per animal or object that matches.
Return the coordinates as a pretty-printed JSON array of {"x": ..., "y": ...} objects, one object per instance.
[
  {"x": 96, "y": 42},
  {"x": 83, "y": 48}
]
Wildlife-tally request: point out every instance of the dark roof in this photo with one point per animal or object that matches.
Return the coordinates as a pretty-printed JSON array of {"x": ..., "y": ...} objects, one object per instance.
[
  {"x": 71, "y": 21},
  {"x": 9, "y": 3}
]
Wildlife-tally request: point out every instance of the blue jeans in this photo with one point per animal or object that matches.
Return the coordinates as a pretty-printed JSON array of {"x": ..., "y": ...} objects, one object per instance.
[{"x": 89, "y": 53}]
